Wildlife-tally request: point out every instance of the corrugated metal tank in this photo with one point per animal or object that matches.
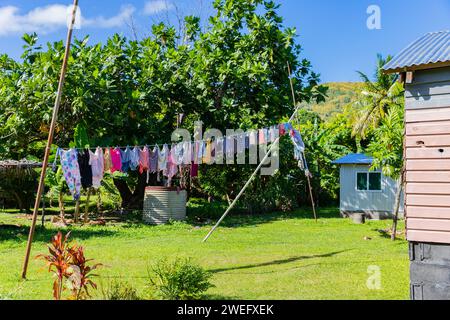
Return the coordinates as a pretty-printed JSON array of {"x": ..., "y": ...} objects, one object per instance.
[{"x": 162, "y": 204}]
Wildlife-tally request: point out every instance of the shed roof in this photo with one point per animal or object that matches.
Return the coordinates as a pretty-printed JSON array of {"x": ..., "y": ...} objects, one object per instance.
[
  {"x": 21, "y": 164},
  {"x": 354, "y": 158},
  {"x": 430, "y": 51}
]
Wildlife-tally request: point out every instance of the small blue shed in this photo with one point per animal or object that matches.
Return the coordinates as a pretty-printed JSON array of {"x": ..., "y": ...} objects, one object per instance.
[{"x": 363, "y": 190}]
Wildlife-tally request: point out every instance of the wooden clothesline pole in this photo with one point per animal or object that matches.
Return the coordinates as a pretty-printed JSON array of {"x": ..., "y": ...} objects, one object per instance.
[
  {"x": 308, "y": 178},
  {"x": 50, "y": 138}
]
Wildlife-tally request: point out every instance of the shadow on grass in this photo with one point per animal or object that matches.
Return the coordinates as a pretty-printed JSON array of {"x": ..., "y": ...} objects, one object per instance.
[
  {"x": 277, "y": 262},
  {"x": 386, "y": 234},
  {"x": 218, "y": 297},
  {"x": 19, "y": 233},
  {"x": 242, "y": 220}
]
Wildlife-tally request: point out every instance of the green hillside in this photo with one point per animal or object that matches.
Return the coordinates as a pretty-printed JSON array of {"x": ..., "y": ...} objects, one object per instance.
[{"x": 340, "y": 94}]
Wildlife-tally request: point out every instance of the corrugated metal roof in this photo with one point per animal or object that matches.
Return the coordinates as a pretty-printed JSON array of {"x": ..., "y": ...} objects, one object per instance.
[
  {"x": 354, "y": 158},
  {"x": 432, "y": 48}
]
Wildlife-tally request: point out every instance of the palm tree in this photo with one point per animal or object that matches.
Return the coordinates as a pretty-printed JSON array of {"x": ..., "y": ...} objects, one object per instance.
[
  {"x": 376, "y": 98},
  {"x": 381, "y": 109}
]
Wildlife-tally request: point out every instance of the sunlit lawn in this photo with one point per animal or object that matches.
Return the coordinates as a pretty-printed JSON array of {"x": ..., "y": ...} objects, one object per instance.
[{"x": 272, "y": 256}]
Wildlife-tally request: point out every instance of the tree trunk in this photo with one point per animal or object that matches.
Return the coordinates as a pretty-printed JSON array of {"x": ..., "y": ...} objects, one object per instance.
[
  {"x": 62, "y": 211},
  {"x": 19, "y": 201},
  {"x": 99, "y": 204},
  {"x": 398, "y": 196},
  {"x": 77, "y": 211},
  {"x": 86, "y": 206},
  {"x": 134, "y": 200}
]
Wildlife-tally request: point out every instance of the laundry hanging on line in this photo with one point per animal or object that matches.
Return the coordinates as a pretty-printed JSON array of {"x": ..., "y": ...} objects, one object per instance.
[{"x": 85, "y": 168}]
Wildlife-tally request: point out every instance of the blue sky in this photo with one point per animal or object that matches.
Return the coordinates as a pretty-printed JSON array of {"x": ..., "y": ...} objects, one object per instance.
[{"x": 334, "y": 34}]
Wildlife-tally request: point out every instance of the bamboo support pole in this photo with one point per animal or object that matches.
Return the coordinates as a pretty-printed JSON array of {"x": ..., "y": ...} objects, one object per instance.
[
  {"x": 50, "y": 138},
  {"x": 249, "y": 181},
  {"x": 308, "y": 178},
  {"x": 243, "y": 189},
  {"x": 311, "y": 195},
  {"x": 231, "y": 206}
]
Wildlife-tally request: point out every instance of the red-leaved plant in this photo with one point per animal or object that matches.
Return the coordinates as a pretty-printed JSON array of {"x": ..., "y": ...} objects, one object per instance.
[{"x": 69, "y": 266}]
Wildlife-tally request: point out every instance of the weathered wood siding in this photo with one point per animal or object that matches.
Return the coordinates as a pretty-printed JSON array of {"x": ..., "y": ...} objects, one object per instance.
[
  {"x": 353, "y": 200},
  {"x": 427, "y": 142}
]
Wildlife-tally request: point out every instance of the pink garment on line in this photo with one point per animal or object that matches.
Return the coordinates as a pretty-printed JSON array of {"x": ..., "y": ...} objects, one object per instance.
[
  {"x": 144, "y": 158},
  {"x": 261, "y": 136},
  {"x": 116, "y": 160},
  {"x": 172, "y": 167}
]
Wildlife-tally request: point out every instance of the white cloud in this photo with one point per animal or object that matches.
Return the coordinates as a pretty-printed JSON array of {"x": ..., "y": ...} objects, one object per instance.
[
  {"x": 116, "y": 21},
  {"x": 157, "y": 6},
  {"x": 50, "y": 18},
  {"x": 43, "y": 19}
]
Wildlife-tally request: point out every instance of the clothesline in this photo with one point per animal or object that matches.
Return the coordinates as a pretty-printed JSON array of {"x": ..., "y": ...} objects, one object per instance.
[
  {"x": 244, "y": 134},
  {"x": 84, "y": 168}
]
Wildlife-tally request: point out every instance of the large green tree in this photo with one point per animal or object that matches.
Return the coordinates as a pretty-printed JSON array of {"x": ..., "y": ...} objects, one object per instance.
[{"x": 232, "y": 75}]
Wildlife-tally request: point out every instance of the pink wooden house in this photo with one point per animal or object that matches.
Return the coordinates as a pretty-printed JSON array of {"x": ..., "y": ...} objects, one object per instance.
[{"x": 424, "y": 67}]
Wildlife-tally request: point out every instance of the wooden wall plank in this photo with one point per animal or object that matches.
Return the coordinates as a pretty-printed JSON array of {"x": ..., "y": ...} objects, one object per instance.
[
  {"x": 427, "y": 165},
  {"x": 429, "y": 224},
  {"x": 424, "y": 128},
  {"x": 427, "y": 89},
  {"x": 436, "y": 114},
  {"x": 427, "y": 102},
  {"x": 431, "y": 75},
  {"x": 428, "y": 236},
  {"x": 428, "y": 153},
  {"x": 428, "y": 212},
  {"x": 428, "y": 141},
  {"x": 428, "y": 176},
  {"x": 428, "y": 200},
  {"x": 427, "y": 188}
]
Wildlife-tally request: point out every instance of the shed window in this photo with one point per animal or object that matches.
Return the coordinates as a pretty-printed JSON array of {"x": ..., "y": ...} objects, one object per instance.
[
  {"x": 361, "y": 181},
  {"x": 368, "y": 181}
]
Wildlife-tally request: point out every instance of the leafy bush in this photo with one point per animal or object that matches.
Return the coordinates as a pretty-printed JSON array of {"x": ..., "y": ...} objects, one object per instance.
[
  {"x": 180, "y": 279},
  {"x": 70, "y": 268},
  {"x": 118, "y": 290}
]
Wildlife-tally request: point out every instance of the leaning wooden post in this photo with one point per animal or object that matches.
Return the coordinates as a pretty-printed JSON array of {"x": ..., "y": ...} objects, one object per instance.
[
  {"x": 99, "y": 203},
  {"x": 231, "y": 206},
  {"x": 308, "y": 177},
  {"x": 86, "y": 207},
  {"x": 311, "y": 193},
  {"x": 50, "y": 138},
  {"x": 275, "y": 143},
  {"x": 76, "y": 214}
]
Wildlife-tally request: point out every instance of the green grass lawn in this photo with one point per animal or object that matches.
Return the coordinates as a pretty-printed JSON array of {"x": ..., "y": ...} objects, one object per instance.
[{"x": 272, "y": 256}]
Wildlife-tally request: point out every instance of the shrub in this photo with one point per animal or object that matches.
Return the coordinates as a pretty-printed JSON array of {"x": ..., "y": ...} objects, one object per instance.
[
  {"x": 180, "y": 279},
  {"x": 118, "y": 290},
  {"x": 70, "y": 268}
]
